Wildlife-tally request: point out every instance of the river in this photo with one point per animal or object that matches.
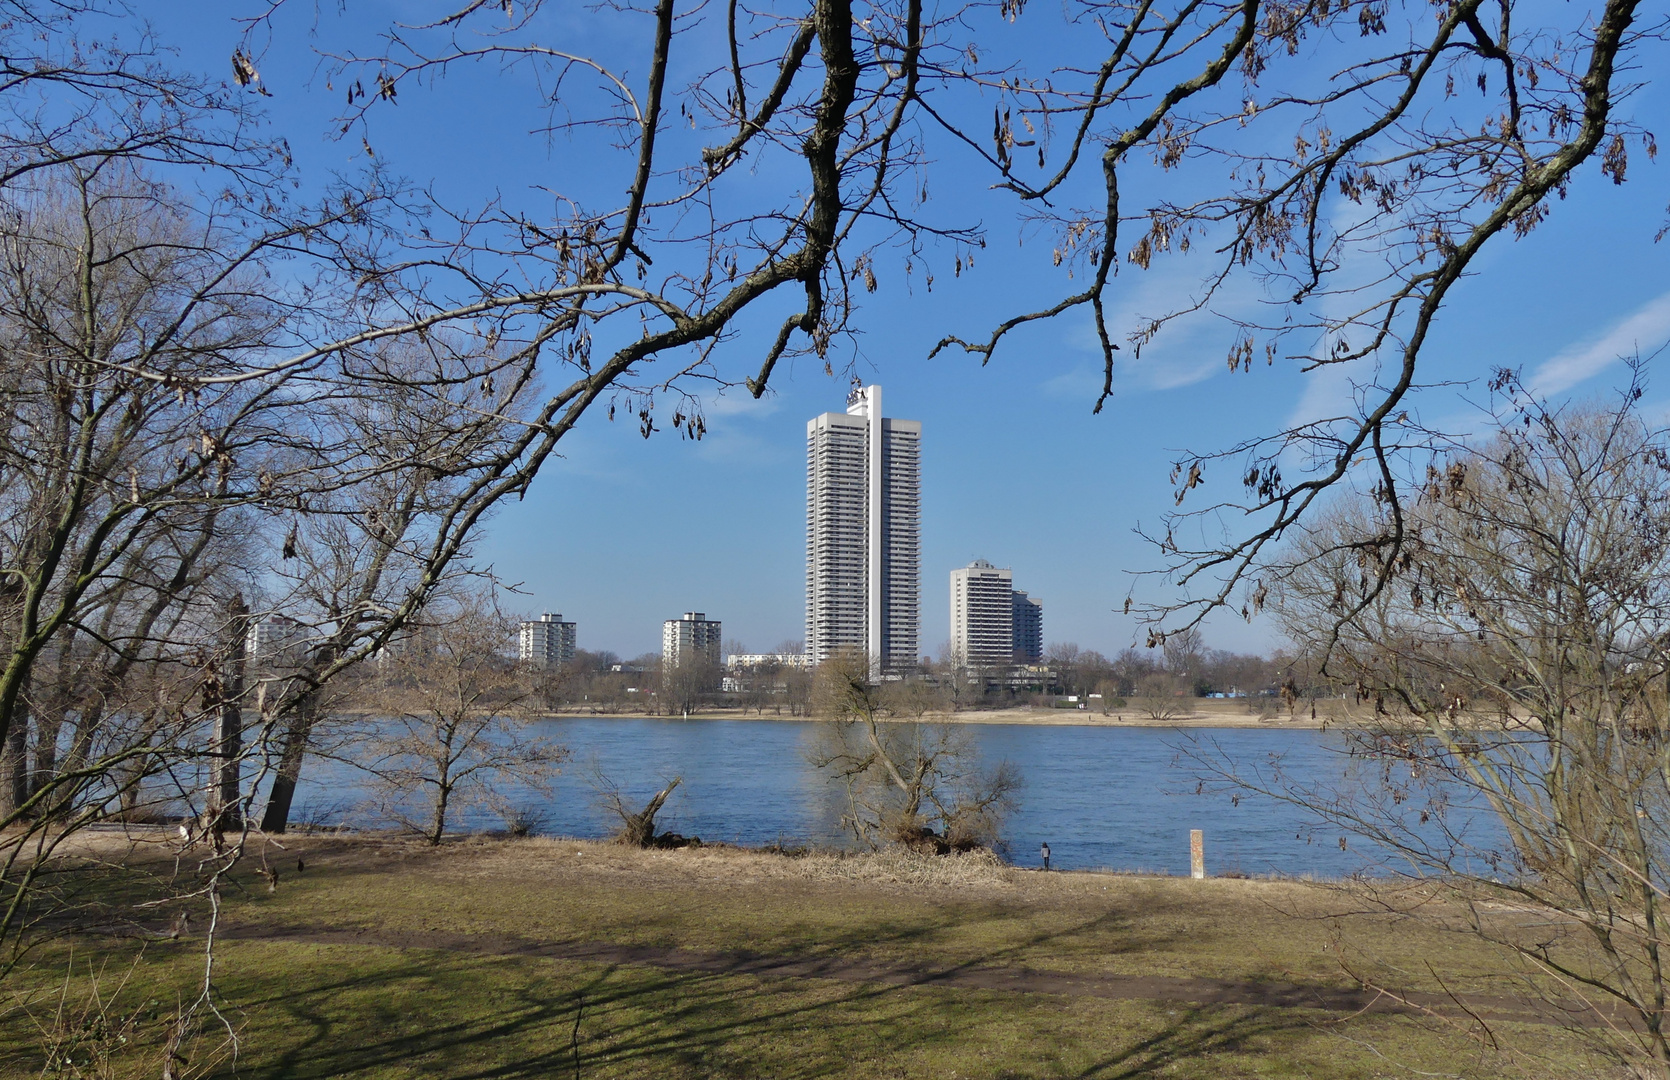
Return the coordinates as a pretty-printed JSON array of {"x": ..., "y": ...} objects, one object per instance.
[{"x": 1101, "y": 797}]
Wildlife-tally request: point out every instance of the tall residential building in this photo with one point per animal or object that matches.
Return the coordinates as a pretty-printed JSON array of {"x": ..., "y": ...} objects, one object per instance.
[
  {"x": 992, "y": 622},
  {"x": 694, "y": 635},
  {"x": 1029, "y": 628},
  {"x": 863, "y": 533},
  {"x": 548, "y": 641},
  {"x": 982, "y": 614}
]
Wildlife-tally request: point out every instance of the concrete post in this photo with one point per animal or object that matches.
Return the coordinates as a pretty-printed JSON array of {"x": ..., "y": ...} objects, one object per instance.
[{"x": 1197, "y": 854}]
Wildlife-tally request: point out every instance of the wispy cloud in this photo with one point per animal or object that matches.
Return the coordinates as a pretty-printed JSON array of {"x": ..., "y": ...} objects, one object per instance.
[
  {"x": 1188, "y": 351},
  {"x": 1643, "y": 330},
  {"x": 1330, "y": 391},
  {"x": 736, "y": 401}
]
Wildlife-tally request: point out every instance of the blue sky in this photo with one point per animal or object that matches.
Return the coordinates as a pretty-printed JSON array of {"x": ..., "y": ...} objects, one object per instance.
[{"x": 623, "y": 532}]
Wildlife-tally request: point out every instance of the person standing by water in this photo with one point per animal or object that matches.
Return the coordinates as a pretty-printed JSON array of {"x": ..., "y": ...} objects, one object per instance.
[{"x": 1044, "y": 850}]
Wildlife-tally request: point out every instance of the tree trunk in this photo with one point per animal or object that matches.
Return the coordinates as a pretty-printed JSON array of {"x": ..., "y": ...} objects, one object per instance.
[
  {"x": 277, "y": 815},
  {"x": 14, "y": 763},
  {"x": 87, "y": 723},
  {"x": 47, "y": 731},
  {"x": 221, "y": 804},
  {"x": 51, "y": 712},
  {"x": 439, "y": 830},
  {"x": 640, "y": 827},
  {"x": 296, "y": 737}
]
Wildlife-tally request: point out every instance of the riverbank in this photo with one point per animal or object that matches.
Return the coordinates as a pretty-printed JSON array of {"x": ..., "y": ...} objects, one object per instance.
[
  {"x": 379, "y": 956},
  {"x": 1190, "y": 713}
]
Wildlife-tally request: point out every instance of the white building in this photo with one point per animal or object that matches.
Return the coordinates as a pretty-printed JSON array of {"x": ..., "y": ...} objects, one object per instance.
[
  {"x": 693, "y": 635},
  {"x": 863, "y": 533},
  {"x": 547, "y": 641},
  {"x": 274, "y": 642},
  {"x": 982, "y": 614},
  {"x": 744, "y": 661}
]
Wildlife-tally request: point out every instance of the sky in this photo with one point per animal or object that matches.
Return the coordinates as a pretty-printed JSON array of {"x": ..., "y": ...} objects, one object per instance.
[{"x": 621, "y": 532}]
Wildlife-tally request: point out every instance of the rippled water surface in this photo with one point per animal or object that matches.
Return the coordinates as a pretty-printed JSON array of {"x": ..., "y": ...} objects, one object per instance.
[{"x": 1122, "y": 798}]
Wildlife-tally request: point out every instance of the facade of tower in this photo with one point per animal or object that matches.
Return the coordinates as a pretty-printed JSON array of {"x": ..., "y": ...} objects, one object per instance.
[
  {"x": 547, "y": 641},
  {"x": 275, "y": 643},
  {"x": 694, "y": 636},
  {"x": 863, "y": 534},
  {"x": 982, "y": 614},
  {"x": 1029, "y": 629}
]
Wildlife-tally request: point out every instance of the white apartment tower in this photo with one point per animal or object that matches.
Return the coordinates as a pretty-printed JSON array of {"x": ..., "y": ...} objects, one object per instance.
[
  {"x": 863, "y": 533},
  {"x": 683, "y": 639},
  {"x": 982, "y": 614},
  {"x": 547, "y": 641}
]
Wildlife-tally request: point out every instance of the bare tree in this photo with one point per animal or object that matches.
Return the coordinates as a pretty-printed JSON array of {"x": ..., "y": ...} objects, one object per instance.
[
  {"x": 1162, "y": 696},
  {"x": 1517, "y": 665},
  {"x": 1185, "y": 656},
  {"x": 797, "y": 690},
  {"x": 403, "y": 361},
  {"x": 455, "y": 713},
  {"x": 1367, "y": 154},
  {"x": 903, "y": 777},
  {"x": 343, "y": 386},
  {"x": 950, "y": 672},
  {"x": 689, "y": 684},
  {"x": 638, "y": 826},
  {"x": 1381, "y": 164}
]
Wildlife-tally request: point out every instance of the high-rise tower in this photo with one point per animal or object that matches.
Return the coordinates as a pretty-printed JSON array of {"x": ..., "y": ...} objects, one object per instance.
[
  {"x": 982, "y": 614},
  {"x": 863, "y": 533},
  {"x": 992, "y": 622}
]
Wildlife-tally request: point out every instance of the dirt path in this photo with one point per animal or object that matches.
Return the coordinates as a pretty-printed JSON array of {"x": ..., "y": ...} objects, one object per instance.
[{"x": 967, "y": 977}]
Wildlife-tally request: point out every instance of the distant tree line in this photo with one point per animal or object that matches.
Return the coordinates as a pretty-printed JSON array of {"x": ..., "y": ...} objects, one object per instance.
[
  {"x": 603, "y": 683},
  {"x": 1184, "y": 667}
]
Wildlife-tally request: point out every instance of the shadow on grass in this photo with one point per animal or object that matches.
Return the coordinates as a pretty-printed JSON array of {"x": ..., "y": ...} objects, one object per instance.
[
  {"x": 358, "y": 1011},
  {"x": 639, "y": 1021}
]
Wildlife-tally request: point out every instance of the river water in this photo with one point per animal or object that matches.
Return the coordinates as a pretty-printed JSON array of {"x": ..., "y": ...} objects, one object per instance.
[{"x": 1101, "y": 797}]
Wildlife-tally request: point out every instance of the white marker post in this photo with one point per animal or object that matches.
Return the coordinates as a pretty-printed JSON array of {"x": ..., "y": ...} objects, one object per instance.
[{"x": 1197, "y": 854}]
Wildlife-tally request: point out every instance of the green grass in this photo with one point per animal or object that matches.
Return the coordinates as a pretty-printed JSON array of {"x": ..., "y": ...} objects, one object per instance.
[{"x": 306, "y": 1010}]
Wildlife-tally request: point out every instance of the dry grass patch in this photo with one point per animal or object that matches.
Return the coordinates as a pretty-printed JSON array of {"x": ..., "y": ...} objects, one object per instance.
[
  {"x": 894, "y": 908},
  {"x": 312, "y": 1008}
]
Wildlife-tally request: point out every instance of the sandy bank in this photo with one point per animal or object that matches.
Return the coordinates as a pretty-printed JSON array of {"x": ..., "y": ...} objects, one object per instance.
[{"x": 1202, "y": 713}]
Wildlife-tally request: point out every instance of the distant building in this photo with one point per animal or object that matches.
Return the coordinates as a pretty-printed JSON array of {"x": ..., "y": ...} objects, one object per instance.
[
  {"x": 1028, "y": 628},
  {"x": 275, "y": 641},
  {"x": 982, "y": 614},
  {"x": 413, "y": 642},
  {"x": 992, "y": 622},
  {"x": 743, "y": 661},
  {"x": 683, "y": 639},
  {"x": 863, "y": 533},
  {"x": 548, "y": 641}
]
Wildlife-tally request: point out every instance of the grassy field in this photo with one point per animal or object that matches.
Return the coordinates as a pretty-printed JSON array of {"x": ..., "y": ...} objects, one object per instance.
[{"x": 384, "y": 958}]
